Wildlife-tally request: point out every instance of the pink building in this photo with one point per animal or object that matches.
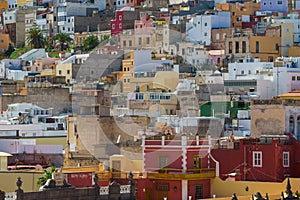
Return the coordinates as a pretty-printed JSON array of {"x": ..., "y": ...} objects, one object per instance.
[
  {"x": 217, "y": 56},
  {"x": 144, "y": 26}
]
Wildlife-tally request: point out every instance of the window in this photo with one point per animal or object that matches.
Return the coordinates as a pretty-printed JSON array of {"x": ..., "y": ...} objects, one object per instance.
[
  {"x": 242, "y": 72},
  {"x": 147, "y": 40},
  {"x": 237, "y": 47},
  {"x": 120, "y": 26},
  {"x": 257, "y": 47},
  {"x": 279, "y": 2},
  {"x": 298, "y": 78},
  {"x": 286, "y": 159},
  {"x": 124, "y": 80},
  {"x": 120, "y": 17},
  {"x": 205, "y": 34},
  {"x": 224, "y": 36},
  {"x": 113, "y": 26},
  {"x": 257, "y": 159},
  {"x": 68, "y": 71},
  {"x": 205, "y": 24},
  {"x": 130, "y": 43},
  {"x": 265, "y": 3},
  {"x": 140, "y": 41},
  {"x": 293, "y": 78},
  {"x": 124, "y": 43},
  {"x": 270, "y": 3},
  {"x": 59, "y": 72},
  {"x": 292, "y": 125},
  {"x": 230, "y": 47},
  {"x": 163, "y": 161},
  {"x": 217, "y": 36},
  {"x": 128, "y": 80},
  {"x": 198, "y": 192},
  {"x": 249, "y": 71},
  {"x": 244, "y": 47}
]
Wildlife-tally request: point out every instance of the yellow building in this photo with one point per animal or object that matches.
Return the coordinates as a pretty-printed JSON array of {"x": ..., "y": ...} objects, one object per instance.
[
  {"x": 128, "y": 72},
  {"x": 275, "y": 43},
  {"x": 121, "y": 166},
  {"x": 294, "y": 51},
  {"x": 64, "y": 70},
  {"x": 145, "y": 82},
  {"x": 265, "y": 47},
  {"x": 3, "y": 6},
  {"x": 162, "y": 81},
  {"x": 22, "y": 3}
]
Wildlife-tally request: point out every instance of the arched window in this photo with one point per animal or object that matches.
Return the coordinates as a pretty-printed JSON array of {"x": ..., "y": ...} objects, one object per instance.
[
  {"x": 292, "y": 125},
  {"x": 298, "y": 128}
]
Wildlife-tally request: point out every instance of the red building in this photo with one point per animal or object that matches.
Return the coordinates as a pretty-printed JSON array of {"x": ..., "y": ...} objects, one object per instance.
[
  {"x": 116, "y": 25},
  {"x": 269, "y": 158},
  {"x": 175, "y": 167},
  {"x": 252, "y": 22},
  {"x": 124, "y": 20}
]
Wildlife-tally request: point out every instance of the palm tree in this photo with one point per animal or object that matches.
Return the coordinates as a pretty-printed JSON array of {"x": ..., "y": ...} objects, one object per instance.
[
  {"x": 90, "y": 42},
  {"x": 47, "y": 175},
  {"x": 63, "y": 39},
  {"x": 35, "y": 38}
]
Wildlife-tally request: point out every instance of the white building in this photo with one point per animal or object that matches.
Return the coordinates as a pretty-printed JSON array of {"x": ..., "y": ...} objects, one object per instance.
[
  {"x": 192, "y": 53},
  {"x": 67, "y": 26},
  {"x": 198, "y": 29},
  {"x": 120, "y": 4},
  {"x": 9, "y": 16},
  {"x": 272, "y": 79},
  {"x": 12, "y": 4},
  {"x": 13, "y": 74}
]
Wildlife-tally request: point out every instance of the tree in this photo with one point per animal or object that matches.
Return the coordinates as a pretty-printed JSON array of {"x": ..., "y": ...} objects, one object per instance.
[
  {"x": 35, "y": 38},
  {"x": 10, "y": 50},
  {"x": 90, "y": 42},
  {"x": 49, "y": 43},
  {"x": 63, "y": 39},
  {"x": 47, "y": 175}
]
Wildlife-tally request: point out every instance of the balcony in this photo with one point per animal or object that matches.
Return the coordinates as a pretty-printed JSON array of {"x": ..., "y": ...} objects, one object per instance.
[{"x": 180, "y": 174}]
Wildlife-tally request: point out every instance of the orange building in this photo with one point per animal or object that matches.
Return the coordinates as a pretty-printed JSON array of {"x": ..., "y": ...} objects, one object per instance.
[
  {"x": 3, "y": 6},
  {"x": 238, "y": 10}
]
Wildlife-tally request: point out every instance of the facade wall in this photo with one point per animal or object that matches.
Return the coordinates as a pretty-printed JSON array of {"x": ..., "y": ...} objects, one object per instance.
[
  {"x": 294, "y": 51},
  {"x": 58, "y": 99},
  {"x": 238, "y": 45},
  {"x": 116, "y": 25},
  {"x": 218, "y": 37},
  {"x": 227, "y": 188},
  {"x": 274, "y": 5},
  {"x": 265, "y": 47},
  {"x": 267, "y": 119},
  {"x": 242, "y": 160}
]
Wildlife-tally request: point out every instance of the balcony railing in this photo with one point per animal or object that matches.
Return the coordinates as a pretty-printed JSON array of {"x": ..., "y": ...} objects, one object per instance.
[{"x": 162, "y": 173}]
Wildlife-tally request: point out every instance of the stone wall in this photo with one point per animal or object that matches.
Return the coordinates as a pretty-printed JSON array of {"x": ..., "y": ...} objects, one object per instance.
[{"x": 57, "y": 98}]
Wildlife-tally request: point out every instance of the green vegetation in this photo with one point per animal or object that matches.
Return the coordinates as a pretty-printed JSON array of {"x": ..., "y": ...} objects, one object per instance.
[
  {"x": 19, "y": 51},
  {"x": 10, "y": 50},
  {"x": 63, "y": 40},
  {"x": 47, "y": 175},
  {"x": 90, "y": 43},
  {"x": 35, "y": 38}
]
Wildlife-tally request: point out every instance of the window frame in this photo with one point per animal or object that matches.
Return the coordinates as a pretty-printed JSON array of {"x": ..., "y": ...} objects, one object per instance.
[
  {"x": 257, "y": 161},
  {"x": 286, "y": 160}
]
